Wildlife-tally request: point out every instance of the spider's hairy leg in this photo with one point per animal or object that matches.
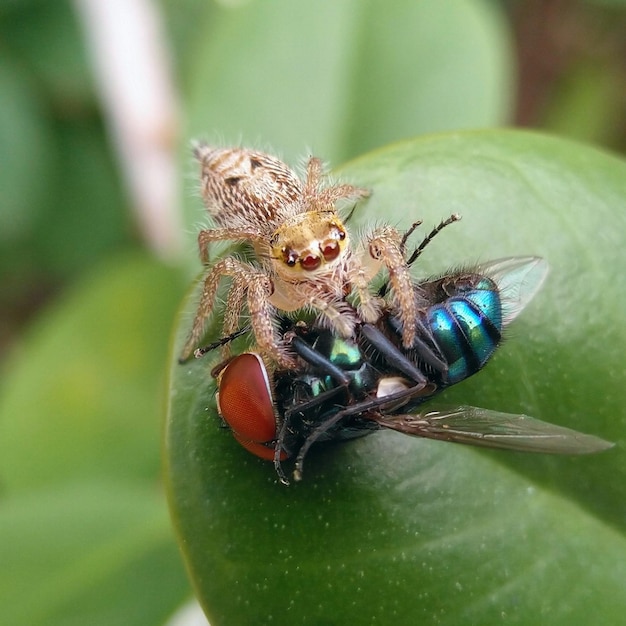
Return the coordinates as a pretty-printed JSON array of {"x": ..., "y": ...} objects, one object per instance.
[
  {"x": 328, "y": 196},
  {"x": 314, "y": 173},
  {"x": 234, "y": 305},
  {"x": 385, "y": 245},
  {"x": 359, "y": 276},
  {"x": 224, "y": 234},
  {"x": 262, "y": 317},
  {"x": 258, "y": 286},
  {"x": 205, "y": 306},
  {"x": 339, "y": 315}
]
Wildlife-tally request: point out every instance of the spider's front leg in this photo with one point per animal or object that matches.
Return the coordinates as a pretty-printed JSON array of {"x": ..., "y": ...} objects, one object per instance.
[
  {"x": 385, "y": 246},
  {"x": 360, "y": 271},
  {"x": 262, "y": 320},
  {"x": 205, "y": 237},
  {"x": 205, "y": 306},
  {"x": 232, "y": 313},
  {"x": 258, "y": 287},
  {"x": 328, "y": 196}
]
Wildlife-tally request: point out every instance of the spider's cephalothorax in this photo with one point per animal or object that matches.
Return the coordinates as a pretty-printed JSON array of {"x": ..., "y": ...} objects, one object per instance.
[{"x": 302, "y": 250}]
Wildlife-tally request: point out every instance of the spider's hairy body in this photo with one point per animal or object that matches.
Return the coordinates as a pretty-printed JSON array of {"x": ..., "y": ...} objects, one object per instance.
[
  {"x": 244, "y": 189},
  {"x": 303, "y": 256}
]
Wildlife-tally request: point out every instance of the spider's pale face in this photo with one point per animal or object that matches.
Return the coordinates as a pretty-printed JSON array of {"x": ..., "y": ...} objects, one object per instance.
[{"x": 308, "y": 244}]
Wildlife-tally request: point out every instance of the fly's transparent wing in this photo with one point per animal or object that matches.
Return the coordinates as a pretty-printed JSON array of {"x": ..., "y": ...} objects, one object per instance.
[
  {"x": 492, "y": 429},
  {"x": 518, "y": 279}
]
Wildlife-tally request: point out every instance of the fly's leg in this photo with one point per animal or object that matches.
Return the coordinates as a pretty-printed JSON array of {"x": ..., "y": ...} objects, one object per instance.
[
  {"x": 370, "y": 408},
  {"x": 279, "y": 451},
  {"x": 455, "y": 217}
]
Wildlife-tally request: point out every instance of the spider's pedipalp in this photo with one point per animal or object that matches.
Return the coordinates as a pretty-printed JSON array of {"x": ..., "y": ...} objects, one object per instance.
[{"x": 385, "y": 245}]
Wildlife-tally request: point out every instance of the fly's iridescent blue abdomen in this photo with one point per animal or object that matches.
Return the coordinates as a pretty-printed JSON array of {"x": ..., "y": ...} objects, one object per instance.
[{"x": 467, "y": 327}]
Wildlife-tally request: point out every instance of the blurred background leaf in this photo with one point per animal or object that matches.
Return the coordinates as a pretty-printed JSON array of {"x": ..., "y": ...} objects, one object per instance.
[
  {"x": 86, "y": 307},
  {"x": 85, "y": 534}
]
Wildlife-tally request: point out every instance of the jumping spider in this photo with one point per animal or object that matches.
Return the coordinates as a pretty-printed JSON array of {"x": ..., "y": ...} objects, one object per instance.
[{"x": 302, "y": 251}]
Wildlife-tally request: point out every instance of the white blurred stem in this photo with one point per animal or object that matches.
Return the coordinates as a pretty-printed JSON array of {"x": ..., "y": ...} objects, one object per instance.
[{"x": 133, "y": 73}]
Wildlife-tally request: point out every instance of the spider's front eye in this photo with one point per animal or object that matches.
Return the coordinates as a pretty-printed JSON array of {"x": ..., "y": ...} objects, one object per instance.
[
  {"x": 310, "y": 262},
  {"x": 290, "y": 256},
  {"x": 330, "y": 250},
  {"x": 232, "y": 180},
  {"x": 336, "y": 232}
]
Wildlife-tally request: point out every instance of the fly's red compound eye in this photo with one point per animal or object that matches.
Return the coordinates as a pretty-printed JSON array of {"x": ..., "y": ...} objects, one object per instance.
[
  {"x": 245, "y": 400},
  {"x": 331, "y": 250},
  {"x": 262, "y": 450},
  {"x": 310, "y": 261}
]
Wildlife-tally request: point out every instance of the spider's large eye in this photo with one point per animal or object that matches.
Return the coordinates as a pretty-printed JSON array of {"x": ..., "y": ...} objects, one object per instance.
[
  {"x": 290, "y": 256},
  {"x": 330, "y": 250},
  {"x": 310, "y": 262},
  {"x": 336, "y": 232}
]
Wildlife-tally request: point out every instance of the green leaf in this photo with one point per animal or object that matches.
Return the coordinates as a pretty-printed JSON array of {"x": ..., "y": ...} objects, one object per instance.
[
  {"x": 25, "y": 151},
  {"x": 84, "y": 534},
  {"x": 342, "y": 77},
  {"x": 587, "y": 105},
  {"x": 394, "y": 528},
  {"x": 86, "y": 198},
  {"x": 48, "y": 41},
  {"x": 82, "y": 396},
  {"x": 609, "y": 4},
  {"x": 96, "y": 553}
]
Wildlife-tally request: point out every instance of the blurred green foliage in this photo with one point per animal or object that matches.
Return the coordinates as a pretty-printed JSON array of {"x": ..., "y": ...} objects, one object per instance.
[
  {"x": 63, "y": 207},
  {"x": 85, "y": 310}
]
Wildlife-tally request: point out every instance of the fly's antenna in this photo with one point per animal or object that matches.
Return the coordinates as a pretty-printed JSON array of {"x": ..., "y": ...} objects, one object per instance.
[
  {"x": 408, "y": 233},
  {"x": 455, "y": 217}
]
